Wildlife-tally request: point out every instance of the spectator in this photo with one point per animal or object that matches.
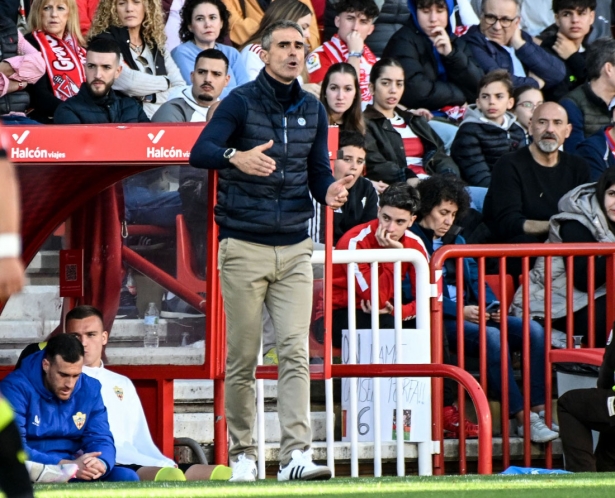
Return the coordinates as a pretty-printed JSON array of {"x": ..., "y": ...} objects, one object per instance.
[
  {"x": 362, "y": 203},
  {"x": 439, "y": 67},
  {"x": 134, "y": 446},
  {"x": 204, "y": 25},
  {"x": 601, "y": 27},
  {"x": 266, "y": 219},
  {"x": 246, "y": 17},
  {"x": 442, "y": 198},
  {"x": 588, "y": 106},
  {"x": 149, "y": 73},
  {"x": 598, "y": 151},
  {"x": 526, "y": 98},
  {"x": 60, "y": 413},
  {"x": 20, "y": 65},
  {"x": 396, "y": 213},
  {"x": 341, "y": 96},
  {"x": 196, "y": 104},
  {"x": 54, "y": 26},
  {"x": 488, "y": 130},
  {"x": 209, "y": 79},
  {"x": 87, "y": 11},
  {"x": 355, "y": 22},
  {"x": 292, "y": 10},
  {"x": 527, "y": 185},
  {"x": 400, "y": 144},
  {"x": 96, "y": 102},
  {"x": 585, "y": 215},
  {"x": 574, "y": 19},
  {"x": 581, "y": 411},
  {"x": 498, "y": 42}
]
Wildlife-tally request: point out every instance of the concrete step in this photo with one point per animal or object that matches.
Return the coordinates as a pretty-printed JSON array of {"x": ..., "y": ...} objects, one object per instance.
[
  {"x": 389, "y": 450},
  {"x": 200, "y": 426},
  {"x": 189, "y": 392},
  {"x": 37, "y": 303}
]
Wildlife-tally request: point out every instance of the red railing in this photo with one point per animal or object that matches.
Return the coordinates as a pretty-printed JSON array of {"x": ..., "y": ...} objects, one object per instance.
[{"x": 525, "y": 252}]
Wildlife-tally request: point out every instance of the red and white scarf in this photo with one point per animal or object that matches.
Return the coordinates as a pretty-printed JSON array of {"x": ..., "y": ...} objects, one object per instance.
[{"x": 65, "y": 61}]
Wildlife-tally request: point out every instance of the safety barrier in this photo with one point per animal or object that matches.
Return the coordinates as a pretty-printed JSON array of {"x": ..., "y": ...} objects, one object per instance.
[{"x": 525, "y": 252}]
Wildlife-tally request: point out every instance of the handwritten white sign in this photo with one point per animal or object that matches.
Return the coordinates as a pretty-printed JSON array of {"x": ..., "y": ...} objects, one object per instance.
[{"x": 416, "y": 392}]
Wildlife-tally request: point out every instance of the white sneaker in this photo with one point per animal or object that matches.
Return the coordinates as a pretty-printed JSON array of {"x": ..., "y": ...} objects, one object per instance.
[
  {"x": 301, "y": 467},
  {"x": 554, "y": 426},
  {"x": 42, "y": 473},
  {"x": 244, "y": 469},
  {"x": 539, "y": 432}
]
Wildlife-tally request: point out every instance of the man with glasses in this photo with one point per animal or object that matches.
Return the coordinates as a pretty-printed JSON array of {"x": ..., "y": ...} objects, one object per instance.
[{"x": 499, "y": 43}]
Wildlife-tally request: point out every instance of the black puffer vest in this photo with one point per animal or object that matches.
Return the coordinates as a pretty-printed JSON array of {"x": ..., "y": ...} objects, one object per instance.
[
  {"x": 596, "y": 114},
  {"x": 15, "y": 101},
  {"x": 279, "y": 203}
]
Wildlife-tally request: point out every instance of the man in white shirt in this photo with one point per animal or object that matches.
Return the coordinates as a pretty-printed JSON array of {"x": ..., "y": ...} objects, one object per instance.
[{"x": 133, "y": 443}]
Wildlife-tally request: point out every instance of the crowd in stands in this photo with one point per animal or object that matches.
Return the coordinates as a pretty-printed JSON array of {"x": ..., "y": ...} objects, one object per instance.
[{"x": 499, "y": 108}]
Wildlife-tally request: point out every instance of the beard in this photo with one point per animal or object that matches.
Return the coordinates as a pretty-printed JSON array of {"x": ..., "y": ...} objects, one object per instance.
[
  {"x": 548, "y": 146},
  {"x": 100, "y": 93},
  {"x": 205, "y": 97}
]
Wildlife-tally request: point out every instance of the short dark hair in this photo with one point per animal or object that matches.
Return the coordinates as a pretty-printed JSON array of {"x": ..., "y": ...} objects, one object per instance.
[
  {"x": 104, "y": 45},
  {"x": 366, "y": 7},
  {"x": 401, "y": 196},
  {"x": 578, "y": 5},
  {"x": 598, "y": 54},
  {"x": 497, "y": 75},
  {"x": 212, "y": 53},
  {"x": 520, "y": 90},
  {"x": 426, "y": 4},
  {"x": 351, "y": 139},
  {"x": 82, "y": 312},
  {"x": 276, "y": 26},
  {"x": 440, "y": 188},
  {"x": 66, "y": 345},
  {"x": 379, "y": 67},
  {"x": 186, "y": 18}
]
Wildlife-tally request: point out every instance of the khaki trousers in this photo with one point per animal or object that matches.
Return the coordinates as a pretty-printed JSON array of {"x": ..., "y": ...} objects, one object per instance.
[{"x": 281, "y": 278}]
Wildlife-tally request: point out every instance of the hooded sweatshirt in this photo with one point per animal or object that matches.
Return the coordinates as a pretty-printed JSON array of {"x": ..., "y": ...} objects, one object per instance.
[
  {"x": 433, "y": 81},
  {"x": 52, "y": 429},
  {"x": 582, "y": 206},
  {"x": 479, "y": 144}
]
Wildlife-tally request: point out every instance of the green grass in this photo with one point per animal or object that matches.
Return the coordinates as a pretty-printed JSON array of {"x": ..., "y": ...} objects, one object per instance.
[{"x": 560, "y": 486}]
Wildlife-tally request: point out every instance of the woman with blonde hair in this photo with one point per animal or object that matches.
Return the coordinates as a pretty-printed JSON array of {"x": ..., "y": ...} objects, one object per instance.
[
  {"x": 148, "y": 72},
  {"x": 54, "y": 31}
]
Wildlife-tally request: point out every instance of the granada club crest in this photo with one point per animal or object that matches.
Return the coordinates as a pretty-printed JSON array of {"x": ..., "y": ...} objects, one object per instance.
[
  {"x": 79, "y": 419},
  {"x": 119, "y": 392}
]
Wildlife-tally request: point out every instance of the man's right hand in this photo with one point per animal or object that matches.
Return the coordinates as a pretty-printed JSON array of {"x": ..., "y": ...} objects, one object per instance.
[
  {"x": 441, "y": 41},
  {"x": 354, "y": 42},
  {"x": 11, "y": 277},
  {"x": 254, "y": 161}
]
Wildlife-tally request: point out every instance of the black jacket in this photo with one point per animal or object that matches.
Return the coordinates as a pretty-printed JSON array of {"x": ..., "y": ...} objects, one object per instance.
[
  {"x": 478, "y": 145},
  {"x": 361, "y": 207},
  {"x": 15, "y": 101},
  {"x": 84, "y": 108},
  {"x": 386, "y": 156},
  {"x": 606, "y": 377},
  {"x": 424, "y": 88},
  {"x": 576, "y": 74}
]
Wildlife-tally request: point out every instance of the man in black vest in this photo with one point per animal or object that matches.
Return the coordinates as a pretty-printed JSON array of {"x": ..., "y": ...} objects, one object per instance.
[
  {"x": 588, "y": 105},
  {"x": 268, "y": 141}
]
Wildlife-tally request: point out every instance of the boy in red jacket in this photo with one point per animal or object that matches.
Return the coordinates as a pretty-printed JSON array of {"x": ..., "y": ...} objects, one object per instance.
[{"x": 396, "y": 213}]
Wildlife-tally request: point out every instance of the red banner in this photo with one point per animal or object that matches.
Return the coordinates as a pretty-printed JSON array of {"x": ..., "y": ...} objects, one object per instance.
[{"x": 137, "y": 143}]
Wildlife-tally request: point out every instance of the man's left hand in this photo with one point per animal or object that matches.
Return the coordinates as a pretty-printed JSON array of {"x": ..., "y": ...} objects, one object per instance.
[{"x": 337, "y": 195}]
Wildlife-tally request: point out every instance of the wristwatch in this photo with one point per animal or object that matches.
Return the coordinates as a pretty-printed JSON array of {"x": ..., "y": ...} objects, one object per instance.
[
  {"x": 355, "y": 54},
  {"x": 229, "y": 153}
]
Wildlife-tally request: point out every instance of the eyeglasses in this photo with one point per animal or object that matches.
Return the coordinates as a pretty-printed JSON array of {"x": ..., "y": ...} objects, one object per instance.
[
  {"x": 143, "y": 61},
  {"x": 505, "y": 22},
  {"x": 529, "y": 105}
]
